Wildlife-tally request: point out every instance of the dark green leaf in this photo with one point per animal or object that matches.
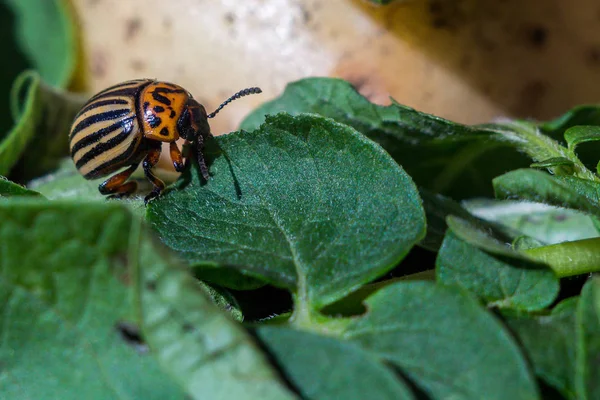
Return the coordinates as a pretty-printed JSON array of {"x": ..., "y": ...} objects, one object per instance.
[
  {"x": 64, "y": 298},
  {"x": 440, "y": 155},
  {"x": 588, "y": 337},
  {"x": 325, "y": 368},
  {"x": 38, "y": 34},
  {"x": 549, "y": 343},
  {"x": 581, "y": 134},
  {"x": 580, "y": 115},
  {"x": 8, "y": 188},
  {"x": 444, "y": 341},
  {"x": 39, "y": 138},
  {"x": 552, "y": 162},
  {"x": 70, "y": 313},
  {"x": 202, "y": 349},
  {"x": 538, "y": 186},
  {"x": 546, "y": 224},
  {"x": 303, "y": 202},
  {"x": 500, "y": 281}
]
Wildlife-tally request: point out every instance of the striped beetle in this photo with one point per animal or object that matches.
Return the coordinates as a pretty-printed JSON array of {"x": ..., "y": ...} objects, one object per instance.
[{"x": 126, "y": 124}]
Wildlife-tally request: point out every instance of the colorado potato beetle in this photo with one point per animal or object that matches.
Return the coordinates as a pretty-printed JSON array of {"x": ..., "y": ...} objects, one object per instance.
[{"x": 127, "y": 123}]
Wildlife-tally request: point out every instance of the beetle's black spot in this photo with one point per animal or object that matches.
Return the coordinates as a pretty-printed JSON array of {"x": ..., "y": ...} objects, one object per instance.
[
  {"x": 158, "y": 109},
  {"x": 146, "y": 105},
  {"x": 154, "y": 121},
  {"x": 164, "y": 131},
  {"x": 160, "y": 98},
  {"x": 172, "y": 115}
]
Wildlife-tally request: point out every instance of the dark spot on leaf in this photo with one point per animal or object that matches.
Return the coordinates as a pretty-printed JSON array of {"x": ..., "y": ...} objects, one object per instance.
[
  {"x": 560, "y": 217},
  {"x": 187, "y": 328},
  {"x": 131, "y": 336},
  {"x": 132, "y": 27},
  {"x": 158, "y": 109},
  {"x": 536, "y": 36},
  {"x": 164, "y": 131}
]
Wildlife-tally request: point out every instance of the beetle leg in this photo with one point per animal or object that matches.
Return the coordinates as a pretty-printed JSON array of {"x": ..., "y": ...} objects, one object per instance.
[
  {"x": 149, "y": 162},
  {"x": 116, "y": 185},
  {"x": 201, "y": 161},
  {"x": 176, "y": 157}
]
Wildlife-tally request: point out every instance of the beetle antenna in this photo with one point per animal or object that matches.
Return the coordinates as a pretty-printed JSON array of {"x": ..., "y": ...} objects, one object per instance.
[{"x": 241, "y": 93}]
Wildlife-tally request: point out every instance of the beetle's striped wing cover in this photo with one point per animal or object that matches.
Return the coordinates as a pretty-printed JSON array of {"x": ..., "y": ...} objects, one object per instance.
[{"x": 105, "y": 134}]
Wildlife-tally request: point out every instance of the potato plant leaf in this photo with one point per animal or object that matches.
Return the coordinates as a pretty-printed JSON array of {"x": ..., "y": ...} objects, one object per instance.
[
  {"x": 440, "y": 155},
  {"x": 203, "y": 350},
  {"x": 444, "y": 341},
  {"x": 501, "y": 282},
  {"x": 64, "y": 297},
  {"x": 582, "y": 134},
  {"x": 8, "y": 188},
  {"x": 320, "y": 367},
  {"x": 544, "y": 223},
  {"x": 588, "y": 338},
  {"x": 549, "y": 343},
  {"x": 538, "y": 186},
  {"x": 39, "y": 138},
  {"x": 304, "y": 203},
  {"x": 39, "y": 35},
  {"x": 71, "y": 309}
]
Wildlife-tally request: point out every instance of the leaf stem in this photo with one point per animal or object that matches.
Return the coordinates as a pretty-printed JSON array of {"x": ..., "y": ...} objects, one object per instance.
[{"x": 540, "y": 147}]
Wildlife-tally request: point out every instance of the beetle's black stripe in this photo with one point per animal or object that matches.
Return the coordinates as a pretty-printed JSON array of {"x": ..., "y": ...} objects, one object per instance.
[
  {"x": 100, "y": 117},
  {"x": 100, "y": 103},
  {"x": 133, "y": 85},
  {"x": 124, "y": 156},
  {"x": 101, "y": 148},
  {"x": 96, "y": 136}
]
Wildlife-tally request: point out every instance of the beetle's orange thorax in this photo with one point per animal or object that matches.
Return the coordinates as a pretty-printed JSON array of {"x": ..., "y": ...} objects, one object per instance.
[{"x": 160, "y": 106}]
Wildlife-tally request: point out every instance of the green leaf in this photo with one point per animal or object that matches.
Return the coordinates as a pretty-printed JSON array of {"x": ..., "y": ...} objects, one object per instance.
[
  {"x": 581, "y": 134},
  {"x": 549, "y": 343},
  {"x": 580, "y": 115},
  {"x": 66, "y": 183},
  {"x": 45, "y": 31},
  {"x": 501, "y": 282},
  {"x": 569, "y": 258},
  {"x": 440, "y": 155},
  {"x": 63, "y": 297},
  {"x": 202, "y": 349},
  {"x": 39, "y": 138},
  {"x": 325, "y": 368},
  {"x": 588, "y": 337},
  {"x": 8, "y": 188},
  {"x": 553, "y": 162},
  {"x": 544, "y": 223},
  {"x": 444, "y": 341},
  {"x": 68, "y": 286},
  {"x": 37, "y": 34},
  {"x": 538, "y": 186},
  {"x": 303, "y": 202}
]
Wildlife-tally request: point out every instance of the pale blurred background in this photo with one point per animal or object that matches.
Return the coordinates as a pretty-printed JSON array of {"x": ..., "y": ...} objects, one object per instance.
[{"x": 466, "y": 60}]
